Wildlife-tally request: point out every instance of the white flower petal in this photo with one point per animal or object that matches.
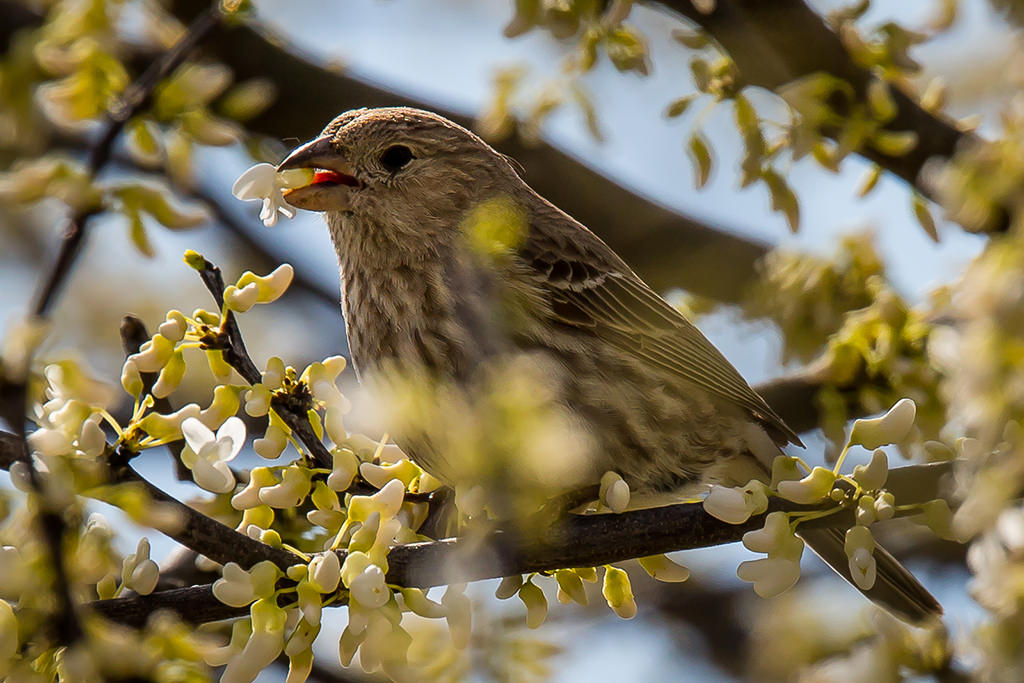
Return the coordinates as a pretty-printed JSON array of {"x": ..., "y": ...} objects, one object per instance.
[
  {"x": 255, "y": 183},
  {"x": 232, "y": 430},
  {"x": 196, "y": 433}
]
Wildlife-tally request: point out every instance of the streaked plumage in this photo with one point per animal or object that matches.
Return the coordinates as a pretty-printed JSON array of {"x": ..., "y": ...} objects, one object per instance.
[{"x": 665, "y": 408}]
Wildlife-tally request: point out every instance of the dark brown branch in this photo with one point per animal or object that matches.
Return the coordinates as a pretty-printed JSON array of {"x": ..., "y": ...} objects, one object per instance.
[
  {"x": 205, "y": 535},
  {"x": 577, "y": 541}
]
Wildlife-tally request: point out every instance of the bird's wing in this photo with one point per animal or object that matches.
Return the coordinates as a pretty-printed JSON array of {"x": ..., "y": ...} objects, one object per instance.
[{"x": 589, "y": 287}]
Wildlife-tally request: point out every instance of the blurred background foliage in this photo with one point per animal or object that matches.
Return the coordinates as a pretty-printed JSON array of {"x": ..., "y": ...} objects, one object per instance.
[{"x": 801, "y": 177}]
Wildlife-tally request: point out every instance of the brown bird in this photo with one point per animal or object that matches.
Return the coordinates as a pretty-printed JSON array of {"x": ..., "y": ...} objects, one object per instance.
[{"x": 401, "y": 188}]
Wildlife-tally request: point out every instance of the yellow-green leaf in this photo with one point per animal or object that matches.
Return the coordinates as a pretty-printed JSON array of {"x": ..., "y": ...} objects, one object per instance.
[
  {"x": 869, "y": 181},
  {"x": 924, "y": 217},
  {"x": 678, "y": 107},
  {"x": 700, "y": 152}
]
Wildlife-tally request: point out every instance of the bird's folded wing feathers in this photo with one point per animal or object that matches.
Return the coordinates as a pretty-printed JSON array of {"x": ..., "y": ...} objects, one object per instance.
[{"x": 618, "y": 307}]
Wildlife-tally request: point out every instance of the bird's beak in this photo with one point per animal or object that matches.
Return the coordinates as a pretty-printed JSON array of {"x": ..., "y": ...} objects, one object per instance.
[{"x": 333, "y": 177}]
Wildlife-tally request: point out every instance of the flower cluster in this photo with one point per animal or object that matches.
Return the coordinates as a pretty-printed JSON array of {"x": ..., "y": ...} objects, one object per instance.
[{"x": 793, "y": 481}]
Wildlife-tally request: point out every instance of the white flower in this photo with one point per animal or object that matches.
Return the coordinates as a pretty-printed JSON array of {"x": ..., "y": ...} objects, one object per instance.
[
  {"x": 15, "y": 575},
  {"x": 369, "y": 589},
  {"x": 238, "y": 588},
  {"x": 892, "y": 427},
  {"x": 735, "y": 505},
  {"x": 249, "y": 497},
  {"x": 614, "y": 492},
  {"x": 770, "y": 575},
  {"x": 776, "y": 538},
  {"x": 138, "y": 571},
  {"x": 536, "y": 604},
  {"x": 153, "y": 354},
  {"x": 241, "y": 300},
  {"x": 262, "y": 181},
  {"x": 458, "y": 614},
  {"x": 8, "y": 633},
  {"x": 325, "y": 572},
  {"x": 387, "y": 502},
  {"x": 776, "y": 573},
  {"x": 662, "y": 568},
  {"x": 873, "y": 475},
  {"x": 263, "y": 646},
  {"x": 292, "y": 489},
  {"x": 508, "y": 587},
  {"x": 618, "y": 592},
  {"x": 418, "y": 603},
  {"x": 859, "y": 547},
  {"x": 345, "y": 464},
  {"x": 272, "y": 444},
  {"x": 211, "y": 453}
]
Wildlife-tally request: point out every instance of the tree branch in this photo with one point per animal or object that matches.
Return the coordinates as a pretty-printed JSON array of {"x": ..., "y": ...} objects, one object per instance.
[{"x": 577, "y": 541}]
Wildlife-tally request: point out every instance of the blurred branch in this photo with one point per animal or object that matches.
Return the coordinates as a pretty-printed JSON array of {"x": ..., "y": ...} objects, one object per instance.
[
  {"x": 135, "y": 98},
  {"x": 576, "y": 541},
  {"x": 774, "y": 43},
  {"x": 794, "y": 397},
  {"x": 15, "y": 17}
]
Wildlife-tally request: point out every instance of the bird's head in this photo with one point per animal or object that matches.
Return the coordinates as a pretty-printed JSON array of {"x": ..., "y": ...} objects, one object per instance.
[{"x": 398, "y": 167}]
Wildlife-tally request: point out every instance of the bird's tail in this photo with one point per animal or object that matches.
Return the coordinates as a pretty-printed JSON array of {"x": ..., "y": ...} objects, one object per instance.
[{"x": 895, "y": 588}]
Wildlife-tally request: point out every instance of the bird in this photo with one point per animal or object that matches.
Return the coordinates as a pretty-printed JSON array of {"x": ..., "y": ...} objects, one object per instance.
[{"x": 660, "y": 404}]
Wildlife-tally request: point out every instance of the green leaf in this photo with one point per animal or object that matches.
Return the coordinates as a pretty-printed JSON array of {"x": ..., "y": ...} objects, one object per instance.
[
  {"x": 139, "y": 237},
  {"x": 159, "y": 203},
  {"x": 627, "y": 50},
  {"x": 869, "y": 181},
  {"x": 894, "y": 144},
  {"x": 783, "y": 199},
  {"x": 701, "y": 73},
  {"x": 880, "y": 100},
  {"x": 144, "y": 140},
  {"x": 678, "y": 107},
  {"x": 700, "y": 152},
  {"x": 247, "y": 100},
  {"x": 586, "y": 105},
  {"x": 924, "y": 216},
  {"x": 691, "y": 38}
]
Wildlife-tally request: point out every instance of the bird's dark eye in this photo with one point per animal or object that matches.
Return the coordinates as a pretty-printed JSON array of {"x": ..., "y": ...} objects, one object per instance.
[{"x": 395, "y": 157}]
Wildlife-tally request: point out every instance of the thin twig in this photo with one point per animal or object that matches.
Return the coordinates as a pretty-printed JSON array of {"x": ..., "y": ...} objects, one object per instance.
[
  {"x": 134, "y": 100},
  {"x": 236, "y": 355}
]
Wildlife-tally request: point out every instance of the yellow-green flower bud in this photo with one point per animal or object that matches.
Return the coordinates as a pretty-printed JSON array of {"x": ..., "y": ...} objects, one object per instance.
[
  {"x": 618, "y": 592},
  {"x": 571, "y": 584},
  {"x": 811, "y": 488},
  {"x": 536, "y": 604},
  {"x": 663, "y": 569}
]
